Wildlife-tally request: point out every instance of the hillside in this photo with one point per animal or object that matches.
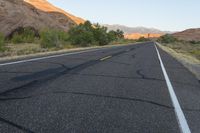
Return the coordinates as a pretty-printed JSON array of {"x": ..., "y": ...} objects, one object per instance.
[
  {"x": 44, "y": 5},
  {"x": 39, "y": 14},
  {"x": 188, "y": 35}
]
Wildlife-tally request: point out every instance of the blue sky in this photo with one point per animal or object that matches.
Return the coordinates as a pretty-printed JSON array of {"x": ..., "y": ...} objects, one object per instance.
[{"x": 174, "y": 15}]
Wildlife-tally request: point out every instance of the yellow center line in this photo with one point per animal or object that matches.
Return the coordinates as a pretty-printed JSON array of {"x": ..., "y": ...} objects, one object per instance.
[{"x": 105, "y": 58}]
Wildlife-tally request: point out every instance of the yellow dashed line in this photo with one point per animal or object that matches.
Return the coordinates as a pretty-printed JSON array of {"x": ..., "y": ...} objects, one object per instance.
[{"x": 105, "y": 58}]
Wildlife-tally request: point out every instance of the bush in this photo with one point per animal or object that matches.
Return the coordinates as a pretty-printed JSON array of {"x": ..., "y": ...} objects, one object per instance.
[
  {"x": 194, "y": 42},
  {"x": 53, "y": 38},
  {"x": 167, "y": 39},
  {"x": 82, "y": 34},
  {"x": 26, "y": 35},
  {"x": 2, "y": 43},
  {"x": 87, "y": 34},
  {"x": 143, "y": 39},
  {"x": 17, "y": 38}
]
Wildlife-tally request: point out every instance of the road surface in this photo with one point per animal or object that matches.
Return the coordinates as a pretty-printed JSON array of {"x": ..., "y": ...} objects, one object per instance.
[{"x": 108, "y": 90}]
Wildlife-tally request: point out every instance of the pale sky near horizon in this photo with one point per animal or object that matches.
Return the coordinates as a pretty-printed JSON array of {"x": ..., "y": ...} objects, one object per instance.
[{"x": 171, "y": 15}]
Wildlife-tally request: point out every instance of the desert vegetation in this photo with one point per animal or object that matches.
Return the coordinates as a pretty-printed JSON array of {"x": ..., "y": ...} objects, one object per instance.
[
  {"x": 87, "y": 35},
  {"x": 186, "y": 47},
  {"x": 53, "y": 38},
  {"x": 143, "y": 39},
  {"x": 29, "y": 41},
  {"x": 23, "y": 35},
  {"x": 2, "y": 43}
]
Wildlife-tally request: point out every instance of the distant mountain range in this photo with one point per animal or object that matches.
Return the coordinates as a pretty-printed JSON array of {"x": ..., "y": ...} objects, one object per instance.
[{"x": 139, "y": 30}]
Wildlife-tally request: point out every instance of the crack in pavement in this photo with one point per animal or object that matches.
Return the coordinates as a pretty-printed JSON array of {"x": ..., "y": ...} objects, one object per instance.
[
  {"x": 97, "y": 95},
  {"x": 41, "y": 81},
  {"x": 86, "y": 94},
  {"x": 114, "y": 76},
  {"x": 52, "y": 76},
  {"x": 24, "y": 129},
  {"x": 121, "y": 63},
  {"x": 14, "y": 72},
  {"x": 55, "y": 63},
  {"x": 139, "y": 72},
  {"x": 133, "y": 56}
]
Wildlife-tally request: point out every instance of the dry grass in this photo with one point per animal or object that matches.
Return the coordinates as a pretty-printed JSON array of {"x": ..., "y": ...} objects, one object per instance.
[
  {"x": 188, "y": 59},
  {"x": 186, "y": 48},
  {"x": 21, "y": 51}
]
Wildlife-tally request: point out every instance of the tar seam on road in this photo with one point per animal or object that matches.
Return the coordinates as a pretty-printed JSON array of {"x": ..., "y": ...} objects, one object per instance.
[
  {"x": 47, "y": 57},
  {"x": 105, "y": 58},
  {"x": 24, "y": 129},
  {"x": 178, "y": 111}
]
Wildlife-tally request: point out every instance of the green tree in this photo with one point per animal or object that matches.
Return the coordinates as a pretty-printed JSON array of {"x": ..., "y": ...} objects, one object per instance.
[
  {"x": 82, "y": 34},
  {"x": 101, "y": 35},
  {"x": 112, "y": 35},
  {"x": 87, "y": 34},
  {"x": 119, "y": 34},
  {"x": 116, "y": 35}
]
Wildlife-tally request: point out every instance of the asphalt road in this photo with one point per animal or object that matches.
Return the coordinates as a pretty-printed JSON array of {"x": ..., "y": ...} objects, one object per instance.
[{"x": 108, "y": 90}]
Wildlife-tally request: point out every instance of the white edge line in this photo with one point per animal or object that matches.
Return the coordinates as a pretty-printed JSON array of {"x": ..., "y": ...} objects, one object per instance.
[
  {"x": 58, "y": 55},
  {"x": 178, "y": 111},
  {"x": 47, "y": 57}
]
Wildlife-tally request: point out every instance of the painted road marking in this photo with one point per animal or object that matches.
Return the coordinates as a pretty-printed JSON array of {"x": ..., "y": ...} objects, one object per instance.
[
  {"x": 47, "y": 57},
  {"x": 178, "y": 111},
  {"x": 105, "y": 58}
]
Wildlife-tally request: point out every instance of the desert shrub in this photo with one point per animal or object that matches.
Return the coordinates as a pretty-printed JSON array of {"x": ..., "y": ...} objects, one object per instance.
[
  {"x": 26, "y": 35},
  {"x": 167, "y": 39},
  {"x": 194, "y": 42},
  {"x": 53, "y": 38},
  {"x": 143, "y": 39},
  {"x": 2, "y": 43},
  {"x": 17, "y": 38}
]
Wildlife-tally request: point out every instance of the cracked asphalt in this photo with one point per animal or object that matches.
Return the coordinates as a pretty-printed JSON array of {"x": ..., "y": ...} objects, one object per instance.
[{"x": 112, "y": 90}]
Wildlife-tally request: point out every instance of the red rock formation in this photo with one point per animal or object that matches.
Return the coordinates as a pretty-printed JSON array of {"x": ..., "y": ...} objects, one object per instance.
[{"x": 138, "y": 35}]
